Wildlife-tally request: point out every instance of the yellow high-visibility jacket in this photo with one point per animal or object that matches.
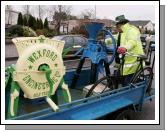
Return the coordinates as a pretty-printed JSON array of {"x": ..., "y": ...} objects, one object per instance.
[{"x": 130, "y": 39}]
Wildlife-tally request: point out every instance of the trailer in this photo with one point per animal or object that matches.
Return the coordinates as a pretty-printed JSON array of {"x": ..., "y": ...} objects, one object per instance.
[
  {"x": 117, "y": 104},
  {"x": 37, "y": 88}
]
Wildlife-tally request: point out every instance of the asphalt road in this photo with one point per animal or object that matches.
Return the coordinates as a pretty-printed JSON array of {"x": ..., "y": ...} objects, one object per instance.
[{"x": 148, "y": 111}]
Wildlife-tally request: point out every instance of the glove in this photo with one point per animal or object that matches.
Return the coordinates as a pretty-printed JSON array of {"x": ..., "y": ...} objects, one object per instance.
[
  {"x": 108, "y": 41},
  {"x": 121, "y": 50}
]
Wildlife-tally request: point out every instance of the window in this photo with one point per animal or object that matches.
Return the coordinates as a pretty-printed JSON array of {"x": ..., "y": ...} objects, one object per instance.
[
  {"x": 68, "y": 41},
  {"x": 80, "y": 41}
]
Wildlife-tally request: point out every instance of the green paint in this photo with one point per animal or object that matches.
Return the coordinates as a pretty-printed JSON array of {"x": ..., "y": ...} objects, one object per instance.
[
  {"x": 30, "y": 67},
  {"x": 31, "y": 82},
  {"x": 45, "y": 93},
  {"x": 50, "y": 82},
  {"x": 43, "y": 85},
  {"x": 31, "y": 59},
  {"x": 42, "y": 53},
  {"x": 41, "y": 40},
  {"x": 46, "y": 85},
  {"x": 57, "y": 74},
  {"x": 35, "y": 85},
  {"x": 39, "y": 53},
  {"x": 54, "y": 57},
  {"x": 51, "y": 55},
  {"x": 54, "y": 80},
  {"x": 7, "y": 78},
  {"x": 65, "y": 94},
  {"x": 14, "y": 86},
  {"x": 28, "y": 81},
  {"x": 35, "y": 56},
  {"x": 66, "y": 51},
  {"x": 55, "y": 65},
  {"x": 48, "y": 53},
  {"x": 48, "y": 73}
]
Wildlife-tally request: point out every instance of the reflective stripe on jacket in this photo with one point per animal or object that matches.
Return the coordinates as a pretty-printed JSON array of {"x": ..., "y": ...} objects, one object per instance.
[{"x": 130, "y": 39}]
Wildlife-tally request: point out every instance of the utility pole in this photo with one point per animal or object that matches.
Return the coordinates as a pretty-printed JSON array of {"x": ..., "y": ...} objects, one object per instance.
[
  {"x": 95, "y": 12},
  {"x": 9, "y": 15},
  {"x": 27, "y": 9},
  {"x": 39, "y": 7}
]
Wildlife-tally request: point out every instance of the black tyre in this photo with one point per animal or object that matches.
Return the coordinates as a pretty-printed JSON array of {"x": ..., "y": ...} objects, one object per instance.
[
  {"x": 105, "y": 83},
  {"x": 127, "y": 114},
  {"x": 145, "y": 74}
]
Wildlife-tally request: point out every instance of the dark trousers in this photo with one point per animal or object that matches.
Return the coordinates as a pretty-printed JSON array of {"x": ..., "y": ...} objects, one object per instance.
[{"x": 127, "y": 79}]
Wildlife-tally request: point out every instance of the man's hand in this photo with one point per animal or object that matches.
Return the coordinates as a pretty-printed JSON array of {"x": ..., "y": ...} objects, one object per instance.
[
  {"x": 121, "y": 50},
  {"x": 108, "y": 41}
]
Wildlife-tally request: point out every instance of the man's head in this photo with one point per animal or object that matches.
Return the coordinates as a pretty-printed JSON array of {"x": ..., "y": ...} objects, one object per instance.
[
  {"x": 118, "y": 28},
  {"x": 120, "y": 20}
]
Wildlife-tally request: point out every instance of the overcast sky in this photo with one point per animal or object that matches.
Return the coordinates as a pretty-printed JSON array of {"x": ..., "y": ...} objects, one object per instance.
[{"x": 131, "y": 12}]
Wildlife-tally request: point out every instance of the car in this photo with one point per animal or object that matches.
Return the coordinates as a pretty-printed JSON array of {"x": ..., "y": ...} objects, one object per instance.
[
  {"x": 146, "y": 37},
  {"x": 152, "y": 39},
  {"x": 72, "y": 41},
  {"x": 143, "y": 37}
]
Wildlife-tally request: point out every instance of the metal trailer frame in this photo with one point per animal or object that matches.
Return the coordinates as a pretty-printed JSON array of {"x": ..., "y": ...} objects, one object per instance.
[{"x": 95, "y": 107}]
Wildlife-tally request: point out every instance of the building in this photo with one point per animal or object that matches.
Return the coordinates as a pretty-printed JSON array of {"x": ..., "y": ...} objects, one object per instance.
[
  {"x": 11, "y": 17},
  {"x": 67, "y": 26},
  {"x": 51, "y": 25},
  {"x": 145, "y": 25}
]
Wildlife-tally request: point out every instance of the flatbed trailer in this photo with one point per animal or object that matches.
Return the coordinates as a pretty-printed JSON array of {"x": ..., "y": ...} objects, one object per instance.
[{"x": 109, "y": 105}]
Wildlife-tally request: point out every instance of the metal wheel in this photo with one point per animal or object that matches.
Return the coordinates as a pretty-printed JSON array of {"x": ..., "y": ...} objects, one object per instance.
[
  {"x": 102, "y": 85},
  {"x": 145, "y": 74}
]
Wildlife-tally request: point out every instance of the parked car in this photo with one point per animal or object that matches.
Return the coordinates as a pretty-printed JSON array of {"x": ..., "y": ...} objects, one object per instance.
[
  {"x": 143, "y": 37},
  {"x": 152, "y": 39},
  {"x": 74, "y": 41}
]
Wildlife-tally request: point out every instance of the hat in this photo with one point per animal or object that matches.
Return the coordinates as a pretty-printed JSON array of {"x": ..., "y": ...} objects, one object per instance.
[{"x": 121, "y": 19}]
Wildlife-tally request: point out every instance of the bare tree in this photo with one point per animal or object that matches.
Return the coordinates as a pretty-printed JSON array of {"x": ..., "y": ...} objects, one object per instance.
[
  {"x": 8, "y": 9},
  {"x": 49, "y": 12},
  {"x": 89, "y": 13},
  {"x": 60, "y": 13},
  {"x": 26, "y": 9},
  {"x": 41, "y": 11}
]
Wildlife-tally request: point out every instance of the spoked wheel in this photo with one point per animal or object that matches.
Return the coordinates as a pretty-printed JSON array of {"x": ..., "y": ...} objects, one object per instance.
[
  {"x": 102, "y": 85},
  {"x": 145, "y": 74}
]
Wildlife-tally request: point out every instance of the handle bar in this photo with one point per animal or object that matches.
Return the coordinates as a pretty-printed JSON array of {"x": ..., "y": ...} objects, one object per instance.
[{"x": 134, "y": 55}]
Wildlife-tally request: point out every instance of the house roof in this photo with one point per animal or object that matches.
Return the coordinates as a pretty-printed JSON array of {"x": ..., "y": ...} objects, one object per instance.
[
  {"x": 139, "y": 22},
  {"x": 107, "y": 22}
]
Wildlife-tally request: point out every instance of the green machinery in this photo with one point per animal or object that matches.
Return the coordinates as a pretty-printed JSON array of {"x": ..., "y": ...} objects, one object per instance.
[{"x": 38, "y": 72}]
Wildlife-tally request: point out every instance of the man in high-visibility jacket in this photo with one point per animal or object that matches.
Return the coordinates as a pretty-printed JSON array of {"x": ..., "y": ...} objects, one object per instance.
[{"x": 129, "y": 42}]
